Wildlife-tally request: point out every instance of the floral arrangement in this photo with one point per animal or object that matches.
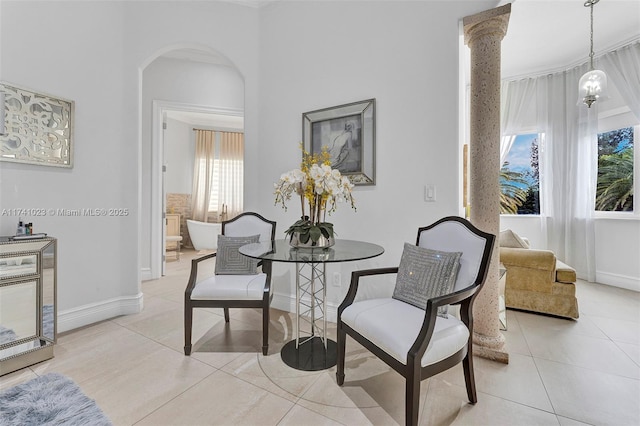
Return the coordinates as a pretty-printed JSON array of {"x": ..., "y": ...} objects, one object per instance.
[{"x": 320, "y": 189}]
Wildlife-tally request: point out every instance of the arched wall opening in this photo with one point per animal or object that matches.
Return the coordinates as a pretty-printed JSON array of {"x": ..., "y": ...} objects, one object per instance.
[{"x": 198, "y": 87}]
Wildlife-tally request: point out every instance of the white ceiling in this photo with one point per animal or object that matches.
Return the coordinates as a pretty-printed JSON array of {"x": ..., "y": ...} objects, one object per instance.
[
  {"x": 550, "y": 35},
  {"x": 542, "y": 36},
  {"x": 546, "y": 35}
]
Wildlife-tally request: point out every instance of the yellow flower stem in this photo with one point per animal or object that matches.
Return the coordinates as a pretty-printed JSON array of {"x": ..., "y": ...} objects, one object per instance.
[{"x": 301, "y": 199}]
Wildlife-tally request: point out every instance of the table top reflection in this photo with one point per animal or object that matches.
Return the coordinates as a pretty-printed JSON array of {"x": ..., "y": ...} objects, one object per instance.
[{"x": 341, "y": 251}]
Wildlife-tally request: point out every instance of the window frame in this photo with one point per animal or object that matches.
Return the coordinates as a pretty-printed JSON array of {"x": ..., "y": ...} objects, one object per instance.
[
  {"x": 610, "y": 121},
  {"x": 541, "y": 136}
]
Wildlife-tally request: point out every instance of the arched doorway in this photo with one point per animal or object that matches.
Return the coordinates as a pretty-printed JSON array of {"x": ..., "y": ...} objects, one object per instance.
[{"x": 191, "y": 81}]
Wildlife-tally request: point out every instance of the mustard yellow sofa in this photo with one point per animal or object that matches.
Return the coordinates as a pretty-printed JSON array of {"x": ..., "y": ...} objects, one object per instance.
[{"x": 537, "y": 281}]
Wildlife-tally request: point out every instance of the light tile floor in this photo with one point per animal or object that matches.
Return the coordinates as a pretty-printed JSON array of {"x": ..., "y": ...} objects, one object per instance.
[{"x": 561, "y": 372}]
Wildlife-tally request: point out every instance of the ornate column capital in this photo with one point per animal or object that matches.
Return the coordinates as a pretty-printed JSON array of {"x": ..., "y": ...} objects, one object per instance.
[{"x": 491, "y": 22}]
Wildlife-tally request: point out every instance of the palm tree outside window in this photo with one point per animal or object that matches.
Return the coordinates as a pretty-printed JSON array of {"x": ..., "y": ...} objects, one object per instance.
[
  {"x": 614, "y": 191},
  {"x": 520, "y": 176}
]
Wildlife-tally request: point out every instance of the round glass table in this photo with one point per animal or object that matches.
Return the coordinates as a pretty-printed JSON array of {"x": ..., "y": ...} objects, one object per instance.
[{"x": 311, "y": 350}]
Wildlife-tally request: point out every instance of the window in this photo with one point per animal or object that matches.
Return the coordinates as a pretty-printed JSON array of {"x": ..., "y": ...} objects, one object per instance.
[
  {"x": 614, "y": 191},
  {"x": 520, "y": 176},
  {"x": 218, "y": 180},
  {"x": 215, "y": 186}
]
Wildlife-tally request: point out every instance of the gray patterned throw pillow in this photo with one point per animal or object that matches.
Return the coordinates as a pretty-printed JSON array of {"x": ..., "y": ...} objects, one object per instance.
[
  {"x": 229, "y": 261},
  {"x": 424, "y": 274}
]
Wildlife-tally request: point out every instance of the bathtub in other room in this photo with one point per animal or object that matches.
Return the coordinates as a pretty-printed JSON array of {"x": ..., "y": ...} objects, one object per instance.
[{"x": 204, "y": 236}]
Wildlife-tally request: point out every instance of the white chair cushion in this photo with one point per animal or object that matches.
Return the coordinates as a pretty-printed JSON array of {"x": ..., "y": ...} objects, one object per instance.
[
  {"x": 393, "y": 326},
  {"x": 230, "y": 287}
]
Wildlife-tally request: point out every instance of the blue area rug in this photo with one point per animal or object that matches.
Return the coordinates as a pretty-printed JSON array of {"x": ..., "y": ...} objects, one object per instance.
[{"x": 52, "y": 399}]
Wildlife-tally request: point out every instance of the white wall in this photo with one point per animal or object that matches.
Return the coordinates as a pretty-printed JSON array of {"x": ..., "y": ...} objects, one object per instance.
[
  {"x": 321, "y": 54},
  {"x": 74, "y": 50},
  {"x": 618, "y": 252},
  {"x": 94, "y": 53}
]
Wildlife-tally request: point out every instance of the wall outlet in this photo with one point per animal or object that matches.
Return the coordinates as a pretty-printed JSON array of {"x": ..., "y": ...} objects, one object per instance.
[{"x": 337, "y": 279}]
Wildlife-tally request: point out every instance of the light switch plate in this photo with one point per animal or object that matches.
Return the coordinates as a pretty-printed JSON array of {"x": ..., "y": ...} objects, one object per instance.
[{"x": 429, "y": 192}]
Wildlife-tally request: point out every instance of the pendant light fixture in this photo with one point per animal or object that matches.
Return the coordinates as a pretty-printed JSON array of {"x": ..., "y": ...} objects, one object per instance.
[{"x": 593, "y": 84}]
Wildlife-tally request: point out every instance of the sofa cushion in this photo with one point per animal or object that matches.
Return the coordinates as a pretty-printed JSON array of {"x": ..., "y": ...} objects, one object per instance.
[
  {"x": 510, "y": 239},
  {"x": 565, "y": 273},
  {"x": 424, "y": 274}
]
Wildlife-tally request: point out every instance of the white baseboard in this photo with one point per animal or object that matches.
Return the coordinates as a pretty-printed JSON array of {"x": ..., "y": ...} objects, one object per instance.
[
  {"x": 95, "y": 312},
  {"x": 145, "y": 274},
  {"x": 287, "y": 303},
  {"x": 617, "y": 280}
]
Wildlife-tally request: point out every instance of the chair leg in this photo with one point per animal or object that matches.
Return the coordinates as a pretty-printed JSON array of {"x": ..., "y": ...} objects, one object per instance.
[
  {"x": 226, "y": 314},
  {"x": 265, "y": 330},
  {"x": 412, "y": 403},
  {"x": 469, "y": 379},
  {"x": 341, "y": 346},
  {"x": 188, "y": 321}
]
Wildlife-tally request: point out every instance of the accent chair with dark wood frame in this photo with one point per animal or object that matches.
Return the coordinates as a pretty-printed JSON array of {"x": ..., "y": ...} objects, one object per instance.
[
  {"x": 232, "y": 291},
  {"x": 414, "y": 342}
]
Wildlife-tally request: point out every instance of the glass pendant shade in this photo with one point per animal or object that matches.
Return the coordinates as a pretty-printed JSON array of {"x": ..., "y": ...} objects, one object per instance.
[{"x": 592, "y": 86}]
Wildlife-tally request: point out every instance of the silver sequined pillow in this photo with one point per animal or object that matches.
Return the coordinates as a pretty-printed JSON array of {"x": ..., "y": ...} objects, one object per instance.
[
  {"x": 229, "y": 261},
  {"x": 424, "y": 274}
]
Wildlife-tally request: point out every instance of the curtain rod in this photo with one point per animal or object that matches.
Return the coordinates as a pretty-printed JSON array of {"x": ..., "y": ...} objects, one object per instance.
[{"x": 222, "y": 130}]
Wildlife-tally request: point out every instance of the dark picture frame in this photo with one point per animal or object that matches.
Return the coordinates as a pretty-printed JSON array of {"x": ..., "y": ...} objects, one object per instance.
[{"x": 348, "y": 132}]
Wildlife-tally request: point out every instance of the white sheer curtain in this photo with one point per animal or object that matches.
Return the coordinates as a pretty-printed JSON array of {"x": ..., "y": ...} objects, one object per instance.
[
  {"x": 623, "y": 68},
  {"x": 582, "y": 174},
  {"x": 553, "y": 160},
  {"x": 568, "y": 166},
  {"x": 522, "y": 110},
  {"x": 517, "y": 98},
  {"x": 230, "y": 193},
  {"x": 569, "y": 154},
  {"x": 203, "y": 167}
]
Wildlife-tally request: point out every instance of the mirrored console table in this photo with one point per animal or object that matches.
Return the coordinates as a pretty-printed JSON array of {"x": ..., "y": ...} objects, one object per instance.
[{"x": 27, "y": 301}]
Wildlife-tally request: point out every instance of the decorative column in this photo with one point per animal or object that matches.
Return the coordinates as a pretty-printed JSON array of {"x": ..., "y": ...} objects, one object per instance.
[{"x": 483, "y": 34}]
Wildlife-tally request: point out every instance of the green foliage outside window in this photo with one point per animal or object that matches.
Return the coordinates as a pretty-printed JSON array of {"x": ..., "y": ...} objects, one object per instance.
[
  {"x": 512, "y": 195},
  {"x": 520, "y": 181},
  {"x": 614, "y": 190}
]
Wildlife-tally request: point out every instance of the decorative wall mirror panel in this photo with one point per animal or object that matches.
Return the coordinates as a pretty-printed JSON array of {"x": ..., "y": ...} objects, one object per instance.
[{"x": 38, "y": 128}]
